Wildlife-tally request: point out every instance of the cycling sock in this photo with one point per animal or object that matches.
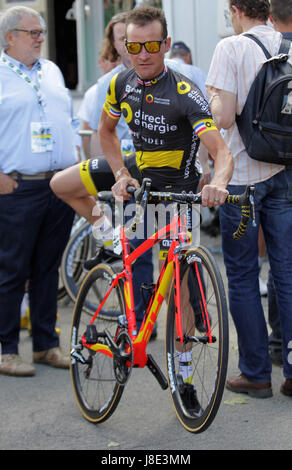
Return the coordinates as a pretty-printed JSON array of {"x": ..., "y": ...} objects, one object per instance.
[
  {"x": 103, "y": 231},
  {"x": 260, "y": 261},
  {"x": 185, "y": 366},
  {"x": 24, "y": 305}
]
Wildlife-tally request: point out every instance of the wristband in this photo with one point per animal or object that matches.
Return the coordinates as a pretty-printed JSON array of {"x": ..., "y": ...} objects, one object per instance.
[
  {"x": 119, "y": 172},
  {"x": 212, "y": 97}
]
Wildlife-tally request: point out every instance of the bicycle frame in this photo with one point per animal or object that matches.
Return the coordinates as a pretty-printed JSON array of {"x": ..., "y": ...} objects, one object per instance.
[
  {"x": 110, "y": 346},
  {"x": 178, "y": 231}
]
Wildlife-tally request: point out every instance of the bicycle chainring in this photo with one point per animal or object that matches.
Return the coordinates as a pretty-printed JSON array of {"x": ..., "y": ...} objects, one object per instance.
[{"x": 123, "y": 362}]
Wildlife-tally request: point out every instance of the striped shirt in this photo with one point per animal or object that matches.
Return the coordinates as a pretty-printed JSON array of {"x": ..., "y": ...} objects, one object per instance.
[{"x": 235, "y": 64}]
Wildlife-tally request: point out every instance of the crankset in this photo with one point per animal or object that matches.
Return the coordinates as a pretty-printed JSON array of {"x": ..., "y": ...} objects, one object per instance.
[{"x": 123, "y": 357}]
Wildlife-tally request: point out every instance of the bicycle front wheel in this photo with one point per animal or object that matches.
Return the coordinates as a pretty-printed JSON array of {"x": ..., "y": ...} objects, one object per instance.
[
  {"x": 96, "y": 389},
  {"x": 197, "y": 367}
]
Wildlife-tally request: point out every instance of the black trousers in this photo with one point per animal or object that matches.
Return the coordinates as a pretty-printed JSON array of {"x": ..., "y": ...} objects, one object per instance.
[{"x": 34, "y": 228}]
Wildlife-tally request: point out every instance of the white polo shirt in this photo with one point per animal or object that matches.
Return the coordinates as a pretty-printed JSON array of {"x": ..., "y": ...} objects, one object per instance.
[{"x": 235, "y": 64}]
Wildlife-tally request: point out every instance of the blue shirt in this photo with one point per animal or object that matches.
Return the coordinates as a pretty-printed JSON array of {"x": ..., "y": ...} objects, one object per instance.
[
  {"x": 123, "y": 130},
  {"x": 192, "y": 72},
  {"x": 287, "y": 36},
  {"x": 19, "y": 107}
]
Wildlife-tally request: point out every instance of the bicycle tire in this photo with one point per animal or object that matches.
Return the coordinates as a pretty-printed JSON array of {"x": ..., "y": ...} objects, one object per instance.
[
  {"x": 74, "y": 256},
  {"x": 62, "y": 292},
  {"x": 209, "y": 361},
  {"x": 95, "y": 387}
]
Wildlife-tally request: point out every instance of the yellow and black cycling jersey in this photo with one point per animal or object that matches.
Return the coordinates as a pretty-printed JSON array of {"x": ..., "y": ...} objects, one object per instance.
[{"x": 166, "y": 116}]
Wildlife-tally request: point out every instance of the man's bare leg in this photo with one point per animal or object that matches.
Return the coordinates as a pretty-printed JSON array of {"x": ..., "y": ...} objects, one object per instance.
[
  {"x": 68, "y": 186},
  {"x": 188, "y": 317}
]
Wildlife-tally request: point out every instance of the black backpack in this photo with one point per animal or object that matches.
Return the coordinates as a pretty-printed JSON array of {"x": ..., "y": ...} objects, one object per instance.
[{"x": 265, "y": 124}]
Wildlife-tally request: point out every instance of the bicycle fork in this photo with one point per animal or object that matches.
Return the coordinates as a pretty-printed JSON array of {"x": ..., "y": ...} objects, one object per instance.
[{"x": 182, "y": 337}]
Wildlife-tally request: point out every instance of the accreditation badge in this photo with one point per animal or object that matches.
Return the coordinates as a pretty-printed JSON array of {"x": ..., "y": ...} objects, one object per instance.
[
  {"x": 41, "y": 137},
  {"x": 127, "y": 146}
]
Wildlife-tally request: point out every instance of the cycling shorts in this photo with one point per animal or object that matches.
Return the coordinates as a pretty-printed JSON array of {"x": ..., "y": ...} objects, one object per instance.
[
  {"x": 192, "y": 214},
  {"x": 96, "y": 174}
]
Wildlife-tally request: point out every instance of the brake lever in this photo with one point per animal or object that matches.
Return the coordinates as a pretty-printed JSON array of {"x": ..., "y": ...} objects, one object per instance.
[
  {"x": 141, "y": 196},
  {"x": 145, "y": 187},
  {"x": 252, "y": 204}
]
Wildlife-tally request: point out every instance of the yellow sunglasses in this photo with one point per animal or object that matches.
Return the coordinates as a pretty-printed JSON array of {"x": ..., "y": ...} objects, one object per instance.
[{"x": 151, "y": 46}]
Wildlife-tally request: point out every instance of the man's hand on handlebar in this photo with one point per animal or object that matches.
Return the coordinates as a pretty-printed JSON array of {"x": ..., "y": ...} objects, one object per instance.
[
  {"x": 213, "y": 195},
  {"x": 119, "y": 189}
]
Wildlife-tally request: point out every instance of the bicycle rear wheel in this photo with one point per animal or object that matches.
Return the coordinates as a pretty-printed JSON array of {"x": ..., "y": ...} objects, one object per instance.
[
  {"x": 96, "y": 389},
  {"x": 77, "y": 251},
  {"x": 196, "y": 396},
  {"x": 61, "y": 289}
]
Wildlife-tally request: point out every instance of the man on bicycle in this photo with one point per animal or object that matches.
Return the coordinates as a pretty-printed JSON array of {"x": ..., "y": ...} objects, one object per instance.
[{"x": 167, "y": 115}]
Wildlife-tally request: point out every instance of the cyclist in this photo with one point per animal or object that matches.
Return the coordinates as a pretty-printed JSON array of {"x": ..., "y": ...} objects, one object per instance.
[{"x": 168, "y": 117}]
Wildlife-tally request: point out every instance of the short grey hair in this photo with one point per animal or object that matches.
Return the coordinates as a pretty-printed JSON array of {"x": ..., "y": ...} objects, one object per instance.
[{"x": 10, "y": 19}]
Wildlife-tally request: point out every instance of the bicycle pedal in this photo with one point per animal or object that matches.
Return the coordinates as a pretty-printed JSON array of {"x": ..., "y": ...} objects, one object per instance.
[
  {"x": 91, "y": 334},
  {"x": 157, "y": 372}
]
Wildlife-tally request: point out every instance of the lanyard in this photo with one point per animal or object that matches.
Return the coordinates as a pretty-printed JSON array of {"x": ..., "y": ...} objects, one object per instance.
[{"x": 25, "y": 77}]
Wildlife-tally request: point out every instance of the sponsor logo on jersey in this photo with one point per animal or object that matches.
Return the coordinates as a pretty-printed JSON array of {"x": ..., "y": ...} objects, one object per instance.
[
  {"x": 203, "y": 126},
  {"x": 130, "y": 89},
  {"x": 183, "y": 88},
  {"x": 199, "y": 100},
  {"x": 153, "y": 99},
  {"x": 127, "y": 112},
  {"x": 149, "y": 99},
  {"x": 154, "y": 123}
]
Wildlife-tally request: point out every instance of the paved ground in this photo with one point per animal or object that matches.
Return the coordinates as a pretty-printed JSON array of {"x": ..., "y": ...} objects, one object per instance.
[{"x": 40, "y": 412}]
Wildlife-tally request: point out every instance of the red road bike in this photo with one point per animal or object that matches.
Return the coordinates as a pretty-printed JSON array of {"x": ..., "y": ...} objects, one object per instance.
[{"x": 106, "y": 346}]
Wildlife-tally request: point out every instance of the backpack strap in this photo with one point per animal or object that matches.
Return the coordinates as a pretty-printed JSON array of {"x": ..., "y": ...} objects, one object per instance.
[
  {"x": 285, "y": 46},
  {"x": 259, "y": 43}
]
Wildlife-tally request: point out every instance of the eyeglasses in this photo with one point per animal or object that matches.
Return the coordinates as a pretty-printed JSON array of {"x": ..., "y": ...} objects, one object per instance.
[
  {"x": 35, "y": 33},
  {"x": 151, "y": 46}
]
